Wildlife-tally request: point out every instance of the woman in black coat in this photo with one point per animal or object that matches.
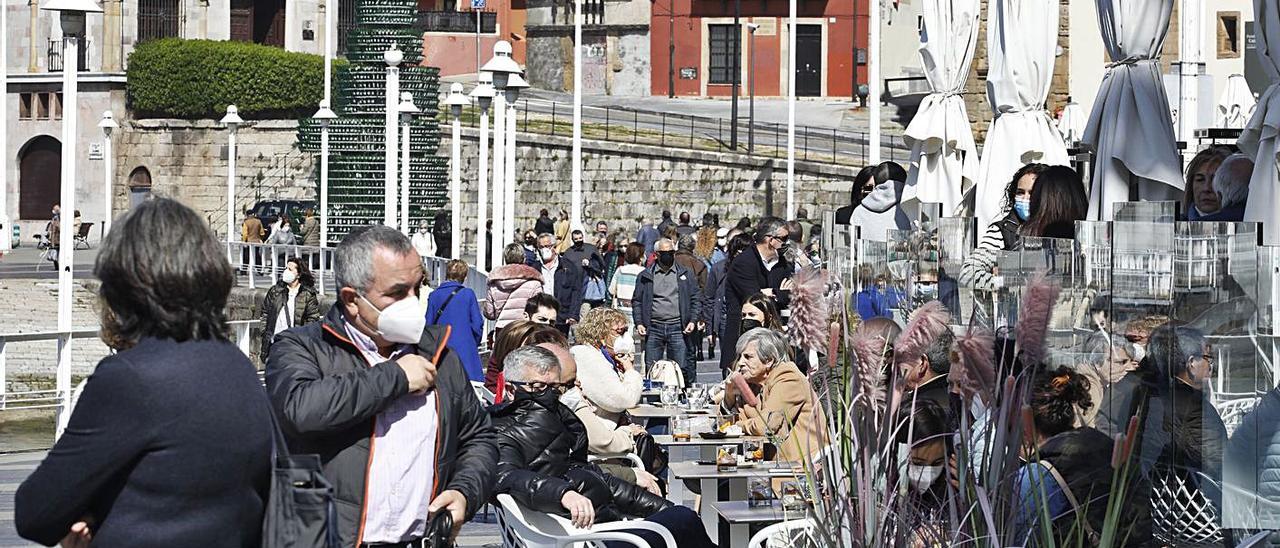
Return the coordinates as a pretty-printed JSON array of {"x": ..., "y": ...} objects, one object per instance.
[{"x": 170, "y": 443}]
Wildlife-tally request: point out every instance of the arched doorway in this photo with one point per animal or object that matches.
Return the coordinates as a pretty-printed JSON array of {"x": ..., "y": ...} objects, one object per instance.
[
  {"x": 40, "y": 178},
  {"x": 139, "y": 186}
]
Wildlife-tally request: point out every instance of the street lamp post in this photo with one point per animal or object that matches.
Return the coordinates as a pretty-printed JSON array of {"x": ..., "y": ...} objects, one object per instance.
[
  {"x": 325, "y": 115},
  {"x": 6, "y": 231},
  {"x": 108, "y": 124},
  {"x": 501, "y": 66},
  {"x": 232, "y": 120},
  {"x": 791, "y": 110},
  {"x": 483, "y": 95},
  {"x": 751, "y": 89},
  {"x": 737, "y": 70},
  {"x": 514, "y": 85},
  {"x": 72, "y": 16},
  {"x": 392, "y": 57},
  {"x": 575, "y": 174},
  {"x": 456, "y": 101},
  {"x": 406, "y": 109}
]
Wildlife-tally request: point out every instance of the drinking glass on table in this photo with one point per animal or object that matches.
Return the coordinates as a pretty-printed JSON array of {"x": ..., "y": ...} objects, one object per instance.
[
  {"x": 670, "y": 396},
  {"x": 681, "y": 429},
  {"x": 753, "y": 450}
]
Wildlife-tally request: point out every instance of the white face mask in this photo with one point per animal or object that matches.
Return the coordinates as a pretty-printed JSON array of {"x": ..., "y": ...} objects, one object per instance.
[
  {"x": 1139, "y": 352},
  {"x": 545, "y": 253},
  {"x": 289, "y": 276},
  {"x": 922, "y": 477},
  {"x": 572, "y": 398},
  {"x": 402, "y": 321}
]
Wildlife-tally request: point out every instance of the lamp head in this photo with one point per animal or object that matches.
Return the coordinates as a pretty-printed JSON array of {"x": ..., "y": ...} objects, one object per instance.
[
  {"x": 393, "y": 56},
  {"x": 325, "y": 114},
  {"x": 515, "y": 83},
  {"x": 456, "y": 100},
  {"x": 501, "y": 65},
  {"x": 108, "y": 123},
  {"x": 407, "y": 108},
  {"x": 232, "y": 119},
  {"x": 483, "y": 92},
  {"x": 72, "y": 13}
]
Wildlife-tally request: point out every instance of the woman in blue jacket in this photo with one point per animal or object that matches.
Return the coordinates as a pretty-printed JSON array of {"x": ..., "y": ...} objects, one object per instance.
[{"x": 456, "y": 305}]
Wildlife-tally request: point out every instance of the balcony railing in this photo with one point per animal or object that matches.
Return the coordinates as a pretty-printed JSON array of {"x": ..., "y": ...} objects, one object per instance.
[
  {"x": 456, "y": 21},
  {"x": 55, "y": 55}
]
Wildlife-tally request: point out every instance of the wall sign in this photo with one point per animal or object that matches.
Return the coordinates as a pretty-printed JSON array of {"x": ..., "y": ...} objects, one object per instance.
[
  {"x": 688, "y": 73},
  {"x": 95, "y": 151}
]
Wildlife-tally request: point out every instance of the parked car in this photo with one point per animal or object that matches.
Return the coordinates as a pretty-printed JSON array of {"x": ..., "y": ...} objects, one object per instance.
[{"x": 270, "y": 210}]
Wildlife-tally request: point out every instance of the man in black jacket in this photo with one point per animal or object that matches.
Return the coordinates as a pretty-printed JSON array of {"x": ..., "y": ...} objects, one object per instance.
[
  {"x": 668, "y": 304},
  {"x": 542, "y": 456},
  {"x": 561, "y": 279},
  {"x": 926, "y": 378},
  {"x": 340, "y": 385},
  {"x": 587, "y": 256},
  {"x": 760, "y": 268}
]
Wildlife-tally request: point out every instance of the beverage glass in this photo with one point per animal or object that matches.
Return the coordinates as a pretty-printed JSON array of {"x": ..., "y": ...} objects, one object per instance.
[
  {"x": 753, "y": 450},
  {"x": 670, "y": 395},
  {"x": 759, "y": 492},
  {"x": 681, "y": 429},
  {"x": 727, "y": 458}
]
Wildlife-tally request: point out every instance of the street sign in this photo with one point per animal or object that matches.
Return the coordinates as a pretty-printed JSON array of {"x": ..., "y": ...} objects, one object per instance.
[
  {"x": 95, "y": 151},
  {"x": 477, "y": 4}
]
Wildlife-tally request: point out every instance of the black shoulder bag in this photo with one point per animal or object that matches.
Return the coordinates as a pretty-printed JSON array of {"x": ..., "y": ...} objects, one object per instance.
[
  {"x": 435, "y": 318},
  {"x": 300, "y": 511}
]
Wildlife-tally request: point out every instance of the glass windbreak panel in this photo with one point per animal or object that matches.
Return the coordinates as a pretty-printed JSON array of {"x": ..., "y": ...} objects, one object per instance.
[
  {"x": 901, "y": 256},
  {"x": 1058, "y": 262},
  {"x": 930, "y": 213},
  {"x": 955, "y": 238},
  {"x": 1145, "y": 212},
  {"x": 880, "y": 292},
  {"x": 838, "y": 253}
]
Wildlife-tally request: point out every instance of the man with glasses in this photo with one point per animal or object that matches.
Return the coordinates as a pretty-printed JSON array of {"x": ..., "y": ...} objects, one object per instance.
[
  {"x": 561, "y": 279},
  {"x": 761, "y": 268}
]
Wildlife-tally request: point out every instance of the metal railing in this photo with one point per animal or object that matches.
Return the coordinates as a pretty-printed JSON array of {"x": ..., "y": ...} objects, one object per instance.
[
  {"x": 769, "y": 140},
  {"x": 456, "y": 21},
  {"x": 54, "y": 55}
]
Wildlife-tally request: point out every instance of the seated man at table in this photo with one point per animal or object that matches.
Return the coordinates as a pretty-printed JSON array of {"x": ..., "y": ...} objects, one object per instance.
[
  {"x": 785, "y": 408},
  {"x": 542, "y": 458}
]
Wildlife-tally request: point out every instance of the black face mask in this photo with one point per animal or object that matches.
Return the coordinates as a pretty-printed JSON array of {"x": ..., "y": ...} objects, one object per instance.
[
  {"x": 666, "y": 258},
  {"x": 530, "y": 241},
  {"x": 749, "y": 324},
  {"x": 548, "y": 396},
  {"x": 577, "y": 245}
]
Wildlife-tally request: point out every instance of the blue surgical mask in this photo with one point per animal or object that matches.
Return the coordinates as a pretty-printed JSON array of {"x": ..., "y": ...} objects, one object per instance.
[{"x": 1022, "y": 207}]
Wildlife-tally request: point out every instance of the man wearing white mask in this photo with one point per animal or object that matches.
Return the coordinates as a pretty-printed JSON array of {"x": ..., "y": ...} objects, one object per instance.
[{"x": 383, "y": 401}]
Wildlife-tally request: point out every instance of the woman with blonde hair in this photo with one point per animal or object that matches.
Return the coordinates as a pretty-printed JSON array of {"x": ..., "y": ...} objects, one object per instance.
[{"x": 611, "y": 382}]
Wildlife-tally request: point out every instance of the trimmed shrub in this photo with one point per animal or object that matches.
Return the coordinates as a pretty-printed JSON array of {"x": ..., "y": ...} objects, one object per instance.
[{"x": 176, "y": 78}]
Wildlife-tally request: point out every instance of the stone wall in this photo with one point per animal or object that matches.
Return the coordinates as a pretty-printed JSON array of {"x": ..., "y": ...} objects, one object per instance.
[
  {"x": 32, "y": 306},
  {"x": 187, "y": 161},
  {"x": 622, "y": 181},
  {"x": 550, "y": 61}
]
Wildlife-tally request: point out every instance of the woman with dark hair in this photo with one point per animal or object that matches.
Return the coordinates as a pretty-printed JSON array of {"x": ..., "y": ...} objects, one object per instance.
[
  {"x": 927, "y": 434},
  {"x": 978, "y": 270},
  {"x": 170, "y": 441},
  {"x": 1067, "y": 475},
  {"x": 291, "y": 302},
  {"x": 881, "y": 209},
  {"x": 1057, "y": 202},
  {"x": 759, "y": 310}
]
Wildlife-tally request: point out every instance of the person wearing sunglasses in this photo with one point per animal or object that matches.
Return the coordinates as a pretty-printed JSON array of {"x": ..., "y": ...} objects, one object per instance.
[{"x": 760, "y": 268}]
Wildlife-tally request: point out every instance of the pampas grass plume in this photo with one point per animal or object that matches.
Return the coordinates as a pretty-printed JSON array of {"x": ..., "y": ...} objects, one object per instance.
[
  {"x": 1037, "y": 306},
  {"x": 974, "y": 374},
  {"x": 927, "y": 323}
]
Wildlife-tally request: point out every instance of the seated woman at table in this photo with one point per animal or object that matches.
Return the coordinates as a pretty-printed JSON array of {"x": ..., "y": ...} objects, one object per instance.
[
  {"x": 613, "y": 385},
  {"x": 928, "y": 434},
  {"x": 786, "y": 407}
]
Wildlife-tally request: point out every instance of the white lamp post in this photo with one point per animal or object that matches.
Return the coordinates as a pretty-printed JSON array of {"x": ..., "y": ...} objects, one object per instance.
[
  {"x": 406, "y": 109},
  {"x": 330, "y": 48},
  {"x": 514, "y": 85},
  {"x": 6, "y": 230},
  {"x": 501, "y": 66},
  {"x": 873, "y": 79},
  {"x": 72, "y": 16},
  {"x": 325, "y": 115},
  {"x": 232, "y": 120},
  {"x": 483, "y": 94},
  {"x": 575, "y": 160},
  {"x": 456, "y": 101},
  {"x": 392, "y": 57},
  {"x": 791, "y": 112},
  {"x": 108, "y": 124}
]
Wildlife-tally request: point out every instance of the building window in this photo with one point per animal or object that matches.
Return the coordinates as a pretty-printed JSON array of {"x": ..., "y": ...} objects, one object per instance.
[
  {"x": 55, "y": 106},
  {"x": 26, "y": 106},
  {"x": 1228, "y": 35},
  {"x": 157, "y": 19},
  {"x": 722, "y": 40},
  {"x": 42, "y": 106}
]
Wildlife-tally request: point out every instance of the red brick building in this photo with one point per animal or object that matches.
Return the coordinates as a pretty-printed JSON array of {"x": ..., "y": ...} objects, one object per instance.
[{"x": 703, "y": 47}]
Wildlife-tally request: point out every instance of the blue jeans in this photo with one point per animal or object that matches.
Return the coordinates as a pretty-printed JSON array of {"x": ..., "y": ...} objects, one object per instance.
[{"x": 666, "y": 341}]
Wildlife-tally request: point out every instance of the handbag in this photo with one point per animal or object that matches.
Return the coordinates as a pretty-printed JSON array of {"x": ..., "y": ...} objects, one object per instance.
[
  {"x": 300, "y": 510},
  {"x": 650, "y": 453},
  {"x": 667, "y": 372},
  {"x": 595, "y": 290},
  {"x": 439, "y": 533}
]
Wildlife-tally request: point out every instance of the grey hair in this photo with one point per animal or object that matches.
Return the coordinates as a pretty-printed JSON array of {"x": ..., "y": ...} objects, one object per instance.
[
  {"x": 554, "y": 241},
  {"x": 687, "y": 242},
  {"x": 1100, "y": 348},
  {"x": 767, "y": 227},
  {"x": 1232, "y": 179},
  {"x": 664, "y": 242},
  {"x": 526, "y": 362},
  {"x": 353, "y": 258},
  {"x": 938, "y": 353},
  {"x": 771, "y": 346},
  {"x": 513, "y": 254}
]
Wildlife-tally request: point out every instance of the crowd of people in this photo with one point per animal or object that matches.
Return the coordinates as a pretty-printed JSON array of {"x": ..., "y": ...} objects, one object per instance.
[{"x": 383, "y": 385}]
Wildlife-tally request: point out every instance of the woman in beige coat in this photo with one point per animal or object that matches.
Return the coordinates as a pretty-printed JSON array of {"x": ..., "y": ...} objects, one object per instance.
[{"x": 786, "y": 408}]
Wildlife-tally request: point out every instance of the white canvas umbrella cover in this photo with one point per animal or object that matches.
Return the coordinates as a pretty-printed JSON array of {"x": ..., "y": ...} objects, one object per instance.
[
  {"x": 1022, "y": 43},
  {"x": 1130, "y": 128},
  {"x": 944, "y": 157},
  {"x": 1236, "y": 104},
  {"x": 1259, "y": 138},
  {"x": 1071, "y": 123}
]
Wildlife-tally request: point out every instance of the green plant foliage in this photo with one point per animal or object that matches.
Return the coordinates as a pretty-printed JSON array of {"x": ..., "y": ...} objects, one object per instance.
[{"x": 190, "y": 79}]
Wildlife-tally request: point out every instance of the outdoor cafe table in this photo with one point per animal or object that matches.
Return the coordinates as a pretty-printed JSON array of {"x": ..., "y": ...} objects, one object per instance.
[
  {"x": 706, "y": 446},
  {"x": 741, "y": 516},
  {"x": 647, "y": 411},
  {"x": 709, "y": 476}
]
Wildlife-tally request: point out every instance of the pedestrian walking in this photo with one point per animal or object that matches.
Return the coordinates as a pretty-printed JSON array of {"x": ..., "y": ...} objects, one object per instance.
[
  {"x": 758, "y": 269},
  {"x": 667, "y": 306},
  {"x": 455, "y": 305},
  {"x": 561, "y": 279},
  {"x": 509, "y": 288},
  {"x": 289, "y": 303}
]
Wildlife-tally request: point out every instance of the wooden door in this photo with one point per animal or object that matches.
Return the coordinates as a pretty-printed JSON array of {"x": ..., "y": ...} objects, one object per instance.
[
  {"x": 40, "y": 178},
  {"x": 242, "y": 20},
  {"x": 809, "y": 60}
]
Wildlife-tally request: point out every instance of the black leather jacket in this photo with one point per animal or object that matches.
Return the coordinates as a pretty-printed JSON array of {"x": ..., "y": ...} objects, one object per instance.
[{"x": 542, "y": 453}]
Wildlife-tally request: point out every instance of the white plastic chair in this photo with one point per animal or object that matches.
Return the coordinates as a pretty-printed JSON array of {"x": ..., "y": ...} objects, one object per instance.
[
  {"x": 1181, "y": 514},
  {"x": 783, "y": 534},
  {"x": 525, "y": 528},
  {"x": 486, "y": 397},
  {"x": 1234, "y": 411}
]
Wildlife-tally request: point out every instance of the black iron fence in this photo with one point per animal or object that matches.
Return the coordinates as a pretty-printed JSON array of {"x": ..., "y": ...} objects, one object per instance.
[
  {"x": 763, "y": 139},
  {"x": 456, "y": 21},
  {"x": 54, "y": 56}
]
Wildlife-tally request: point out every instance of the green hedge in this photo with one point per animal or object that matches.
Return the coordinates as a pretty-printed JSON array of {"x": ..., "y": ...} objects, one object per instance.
[{"x": 175, "y": 78}]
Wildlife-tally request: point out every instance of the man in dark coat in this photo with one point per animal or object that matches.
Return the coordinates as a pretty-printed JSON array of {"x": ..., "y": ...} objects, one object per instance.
[
  {"x": 927, "y": 378},
  {"x": 544, "y": 224},
  {"x": 339, "y": 386},
  {"x": 562, "y": 279},
  {"x": 542, "y": 455},
  {"x": 667, "y": 305},
  {"x": 758, "y": 269}
]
